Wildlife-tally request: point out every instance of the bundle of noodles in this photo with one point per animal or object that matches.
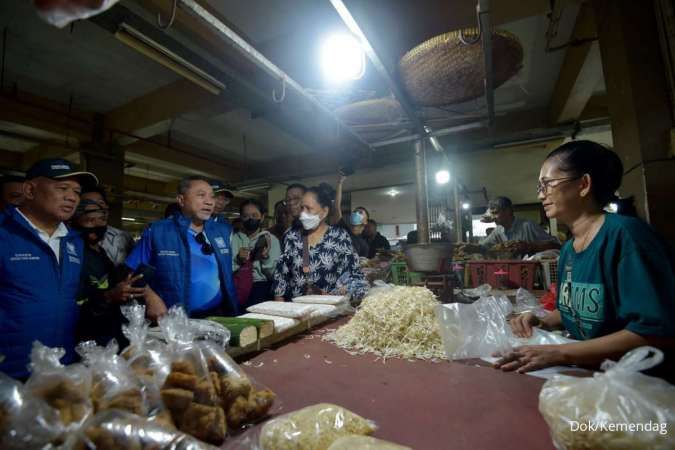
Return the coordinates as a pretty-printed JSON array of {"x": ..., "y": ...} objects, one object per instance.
[{"x": 393, "y": 322}]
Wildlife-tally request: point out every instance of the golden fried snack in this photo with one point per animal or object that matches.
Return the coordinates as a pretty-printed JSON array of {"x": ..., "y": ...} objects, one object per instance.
[
  {"x": 205, "y": 422},
  {"x": 233, "y": 386},
  {"x": 177, "y": 399},
  {"x": 249, "y": 409},
  {"x": 181, "y": 380},
  {"x": 183, "y": 367},
  {"x": 215, "y": 381},
  {"x": 205, "y": 393},
  {"x": 130, "y": 400}
]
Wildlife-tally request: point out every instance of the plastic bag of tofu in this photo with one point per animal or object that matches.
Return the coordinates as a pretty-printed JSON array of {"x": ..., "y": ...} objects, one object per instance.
[
  {"x": 188, "y": 390},
  {"x": 62, "y": 12},
  {"x": 26, "y": 422},
  {"x": 120, "y": 430},
  {"x": 619, "y": 408},
  {"x": 243, "y": 399},
  {"x": 114, "y": 385},
  {"x": 66, "y": 389}
]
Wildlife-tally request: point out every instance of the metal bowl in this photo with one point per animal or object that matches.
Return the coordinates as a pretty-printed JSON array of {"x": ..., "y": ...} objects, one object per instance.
[{"x": 432, "y": 257}]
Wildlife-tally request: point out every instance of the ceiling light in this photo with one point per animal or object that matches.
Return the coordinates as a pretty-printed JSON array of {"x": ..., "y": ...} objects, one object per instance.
[
  {"x": 442, "y": 176},
  {"x": 466, "y": 205},
  {"x": 129, "y": 219},
  {"x": 393, "y": 192},
  {"x": 342, "y": 58}
]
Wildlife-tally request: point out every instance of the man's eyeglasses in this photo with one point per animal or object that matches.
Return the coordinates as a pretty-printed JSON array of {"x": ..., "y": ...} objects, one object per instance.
[
  {"x": 201, "y": 240},
  {"x": 544, "y": 185}
]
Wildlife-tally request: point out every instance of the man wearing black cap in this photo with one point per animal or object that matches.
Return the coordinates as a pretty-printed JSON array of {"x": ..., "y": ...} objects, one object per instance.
[
  {"x": 40, "y": 264},
  {"x": 11, "y": 191},
  {"x": 223, "y": 198}
]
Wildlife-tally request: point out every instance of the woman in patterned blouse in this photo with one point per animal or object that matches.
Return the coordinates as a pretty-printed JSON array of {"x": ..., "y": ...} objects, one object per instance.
[{"x": 333, "y": 266}]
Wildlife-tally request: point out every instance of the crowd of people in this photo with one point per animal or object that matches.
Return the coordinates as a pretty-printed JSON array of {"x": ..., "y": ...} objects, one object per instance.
[{"x": 64, "y": 271}]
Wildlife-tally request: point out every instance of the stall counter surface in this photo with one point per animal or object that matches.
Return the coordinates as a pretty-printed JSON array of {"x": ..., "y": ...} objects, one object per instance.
[{"x": 421, "y": 404}]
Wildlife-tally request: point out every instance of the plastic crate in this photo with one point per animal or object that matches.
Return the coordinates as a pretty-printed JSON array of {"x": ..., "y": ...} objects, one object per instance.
[
  {"x": 519, "y": 274},
  {"x": 549, "y": 270},
  {"x": 401, "y": 276}
]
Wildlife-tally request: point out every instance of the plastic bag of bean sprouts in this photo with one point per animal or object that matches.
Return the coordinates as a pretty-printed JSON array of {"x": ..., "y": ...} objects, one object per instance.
[
  {"x": 62, "y": 12},
  {"x": 314, "y": 427},
  {"x": 617, "y": 409}
]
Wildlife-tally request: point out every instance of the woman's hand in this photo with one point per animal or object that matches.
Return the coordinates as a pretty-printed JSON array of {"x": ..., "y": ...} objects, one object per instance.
[
  {"x": 533, "y": 357},
  {"x": 124, "y": 290},
  {"x": 522, "y": 325},
  {"x": 279, "y": 299},
  {"x": 154, "y": 305},
  {"x": 243, "y": 254}
]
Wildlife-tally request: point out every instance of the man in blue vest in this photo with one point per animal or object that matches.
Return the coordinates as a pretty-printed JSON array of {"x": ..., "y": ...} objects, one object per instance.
[
  {"x": 40, "y": 265},
  {"x": 191, "y": 256}
]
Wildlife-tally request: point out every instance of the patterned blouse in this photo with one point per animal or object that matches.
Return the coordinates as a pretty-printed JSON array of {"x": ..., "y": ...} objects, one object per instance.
[{"x": 333, "y": 264}]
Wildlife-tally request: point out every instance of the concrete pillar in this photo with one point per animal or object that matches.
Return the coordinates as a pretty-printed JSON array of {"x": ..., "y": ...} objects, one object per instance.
[{"x": 639, "y": 106}]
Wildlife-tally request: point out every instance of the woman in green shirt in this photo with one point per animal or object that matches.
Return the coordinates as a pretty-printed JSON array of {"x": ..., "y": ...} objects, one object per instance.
[
  {"x": 616, "y": 277},
  {"x": 259, "y": 247}
]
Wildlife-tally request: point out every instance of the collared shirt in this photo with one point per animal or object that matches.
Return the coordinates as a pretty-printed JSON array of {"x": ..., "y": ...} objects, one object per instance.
[
  {"x": 521, "y": 230},
  {"x": 54, "y": 241},
  {"x": 117, "y": 245}
]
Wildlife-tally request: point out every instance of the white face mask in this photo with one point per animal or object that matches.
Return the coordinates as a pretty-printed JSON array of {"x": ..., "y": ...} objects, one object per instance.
[{"x": 309, "y": 221}]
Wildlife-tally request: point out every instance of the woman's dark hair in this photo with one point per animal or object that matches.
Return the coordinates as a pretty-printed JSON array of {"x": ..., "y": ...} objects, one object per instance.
[
  {"x": 324, "y": 194},
  {"x": 599, "y": 162},
  {"x": 255, "y": 203},
  {"x": 362, "y": 209}
]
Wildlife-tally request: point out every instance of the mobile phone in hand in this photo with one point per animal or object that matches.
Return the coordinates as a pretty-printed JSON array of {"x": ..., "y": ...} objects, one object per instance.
[{"x": 147, "y": 271}]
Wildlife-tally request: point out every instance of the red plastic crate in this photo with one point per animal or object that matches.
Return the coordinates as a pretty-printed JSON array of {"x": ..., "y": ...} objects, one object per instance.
[{"x": 518, "y": 273}]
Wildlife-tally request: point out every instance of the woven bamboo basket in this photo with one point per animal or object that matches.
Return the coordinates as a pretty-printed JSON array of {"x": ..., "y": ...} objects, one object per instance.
[{"x": 444, "y": 71}]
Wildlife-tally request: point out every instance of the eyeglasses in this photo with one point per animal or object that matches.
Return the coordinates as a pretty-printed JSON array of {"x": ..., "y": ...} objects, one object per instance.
[
  {"x": 201, "y": 240},
  {"x": 544, "y": 186}
]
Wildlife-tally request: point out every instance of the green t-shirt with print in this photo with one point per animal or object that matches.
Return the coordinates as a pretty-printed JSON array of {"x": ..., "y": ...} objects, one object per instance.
[{"x": 625, "y": 279}]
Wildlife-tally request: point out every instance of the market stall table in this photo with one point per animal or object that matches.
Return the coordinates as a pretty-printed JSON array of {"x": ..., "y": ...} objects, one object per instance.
[{"x": 424, "y": 405}]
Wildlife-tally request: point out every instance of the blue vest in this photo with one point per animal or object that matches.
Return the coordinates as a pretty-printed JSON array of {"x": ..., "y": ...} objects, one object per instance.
[
  {"x": 164, "y": 245},
  {"x": 37, "y": 294}
]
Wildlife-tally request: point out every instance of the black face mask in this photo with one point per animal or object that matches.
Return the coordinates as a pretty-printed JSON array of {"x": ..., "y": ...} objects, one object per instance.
[
  {"x": 99, "y": 232},
  {"x": 251, "y": 224}
]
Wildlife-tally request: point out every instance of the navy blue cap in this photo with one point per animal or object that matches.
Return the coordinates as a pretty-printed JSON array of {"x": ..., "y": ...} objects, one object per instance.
[
  {"x": 218, "y": 188},
  {"x": 60, "y": 168}
]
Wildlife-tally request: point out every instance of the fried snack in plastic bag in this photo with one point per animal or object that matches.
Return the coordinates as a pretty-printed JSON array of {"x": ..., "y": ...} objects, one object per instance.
[
  {"x": 243, "y": 400},
  {"x": 315, "y": 427},
  {"x": 149, "y": 361},
  {"x": 64, "y": 388},
  {"x": 619, "y": 397},
  {"x": 26, "y": 422},
  {"x": 188, "y": 391},
  {"x": 120, "y": 430},
  {"x": 114, "y": 385},
  {"x": 61, "y": 12},
  {"x": 357, "y": 442}
]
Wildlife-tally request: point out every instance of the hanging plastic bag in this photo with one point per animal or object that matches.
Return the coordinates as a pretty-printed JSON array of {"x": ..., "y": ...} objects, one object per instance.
[
  {"x": 61, "y": 12},
  {"x": 119, "y": 430},
  {"x": 618, "y": 409},
  {"x": 26, "y": 422},
  {"x": 64, "y": 388}
]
